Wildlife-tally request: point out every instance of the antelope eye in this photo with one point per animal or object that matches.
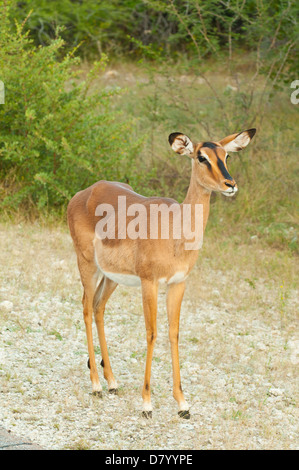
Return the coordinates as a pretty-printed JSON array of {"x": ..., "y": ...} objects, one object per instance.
[{"x": 201, "y": 158}]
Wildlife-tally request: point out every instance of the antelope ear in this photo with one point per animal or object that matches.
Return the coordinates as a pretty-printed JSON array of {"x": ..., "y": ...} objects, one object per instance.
[
  {"x": 181, "y": 143},
  {"x": 236, "y": 142}
]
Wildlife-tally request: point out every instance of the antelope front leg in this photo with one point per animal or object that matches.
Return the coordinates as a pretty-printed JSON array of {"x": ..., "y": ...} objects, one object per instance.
[
  {"x": 174, "y": 300},
  {"x": 149, "y": 298}
]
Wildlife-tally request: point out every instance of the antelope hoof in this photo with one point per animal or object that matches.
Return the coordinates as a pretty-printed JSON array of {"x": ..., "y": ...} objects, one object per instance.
[
  {"x": 184, "y": 414},
  {"x": 147, "y": 414},
  {"x": 113, "y": 391},
  {"x": 97, "y": 394}
]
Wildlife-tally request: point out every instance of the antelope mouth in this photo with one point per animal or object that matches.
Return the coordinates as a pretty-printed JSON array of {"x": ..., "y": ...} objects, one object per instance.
[{"x": 230, "y": 192}]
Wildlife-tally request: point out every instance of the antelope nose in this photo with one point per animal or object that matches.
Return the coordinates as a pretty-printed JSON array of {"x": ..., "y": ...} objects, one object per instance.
[{"x": 230, "y": 184}]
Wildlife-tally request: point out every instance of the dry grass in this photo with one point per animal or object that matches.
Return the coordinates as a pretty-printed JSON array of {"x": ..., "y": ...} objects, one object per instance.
[{"x": 239, "y": 351}]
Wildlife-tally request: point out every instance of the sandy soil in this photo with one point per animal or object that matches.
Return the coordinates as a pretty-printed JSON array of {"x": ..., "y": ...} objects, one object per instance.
[{"x": 238, "y": 365}]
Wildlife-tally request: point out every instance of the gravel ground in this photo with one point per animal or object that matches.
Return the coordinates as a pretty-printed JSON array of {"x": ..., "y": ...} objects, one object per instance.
[{"x": 238, "y": 368}]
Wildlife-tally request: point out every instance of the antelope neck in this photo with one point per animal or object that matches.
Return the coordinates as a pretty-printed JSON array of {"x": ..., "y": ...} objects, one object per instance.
[{"x": 197, "y": 194}]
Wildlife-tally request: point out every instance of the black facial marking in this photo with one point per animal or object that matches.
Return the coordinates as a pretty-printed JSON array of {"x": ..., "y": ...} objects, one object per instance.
[
  {"x": 210, "y": 145},
  {"x": 223, "y": 170}
]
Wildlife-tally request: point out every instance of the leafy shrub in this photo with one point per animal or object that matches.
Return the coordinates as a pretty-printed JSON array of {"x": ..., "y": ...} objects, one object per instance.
[{"x": 57, "y": 135}]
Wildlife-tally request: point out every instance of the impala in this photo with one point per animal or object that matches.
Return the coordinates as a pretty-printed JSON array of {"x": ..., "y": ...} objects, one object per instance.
[{"x": 106, "y": 261}]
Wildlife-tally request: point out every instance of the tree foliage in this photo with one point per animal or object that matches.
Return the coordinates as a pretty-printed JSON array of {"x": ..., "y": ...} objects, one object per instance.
[
  {"x": 56, "y": 134},
  {"x": 176, "y": 26}
]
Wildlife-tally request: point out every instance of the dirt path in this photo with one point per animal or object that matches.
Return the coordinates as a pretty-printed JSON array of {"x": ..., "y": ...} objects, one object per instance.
[{"x": 238, "y": 367}]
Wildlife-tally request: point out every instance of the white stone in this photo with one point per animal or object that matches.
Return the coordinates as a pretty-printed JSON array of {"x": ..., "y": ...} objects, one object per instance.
[{"x": 6, "y": 305}]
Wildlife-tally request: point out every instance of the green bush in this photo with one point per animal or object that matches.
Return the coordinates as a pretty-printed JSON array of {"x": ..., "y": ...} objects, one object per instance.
[{"x": 57, "y": 136}]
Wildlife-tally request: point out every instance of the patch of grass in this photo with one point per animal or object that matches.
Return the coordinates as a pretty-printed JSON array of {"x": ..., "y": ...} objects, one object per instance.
[
  {"x": 56, "y": 334},
  {"x": 81, "y": 444},
  {"x": 194, "y": 340}
]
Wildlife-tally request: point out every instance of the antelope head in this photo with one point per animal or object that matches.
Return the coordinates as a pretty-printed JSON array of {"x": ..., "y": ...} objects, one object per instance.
[{"x": 210, "y": 159}]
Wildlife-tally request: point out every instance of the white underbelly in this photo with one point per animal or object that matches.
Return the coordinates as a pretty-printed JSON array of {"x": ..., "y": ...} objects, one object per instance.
[
  {"x": 179, "y": 276},
  {"x": 134, "y": 281},
  {"x": 124, "y": 279}
]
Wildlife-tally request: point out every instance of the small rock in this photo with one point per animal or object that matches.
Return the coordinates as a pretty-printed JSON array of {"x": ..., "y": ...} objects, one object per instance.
[
  {"x": 111, "y": 74},
  {"x": 294, "y": 349},
  {"x": 216, "y": 292},
  {"x": 261, "y": 346},
  {"x": 276, "y": 392},
  {"x": 231, "y": 88},
  {"x": 187, "y": 426},
  {"x": 221, "y": 382},
  {"x": 6, "y": 305}
]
